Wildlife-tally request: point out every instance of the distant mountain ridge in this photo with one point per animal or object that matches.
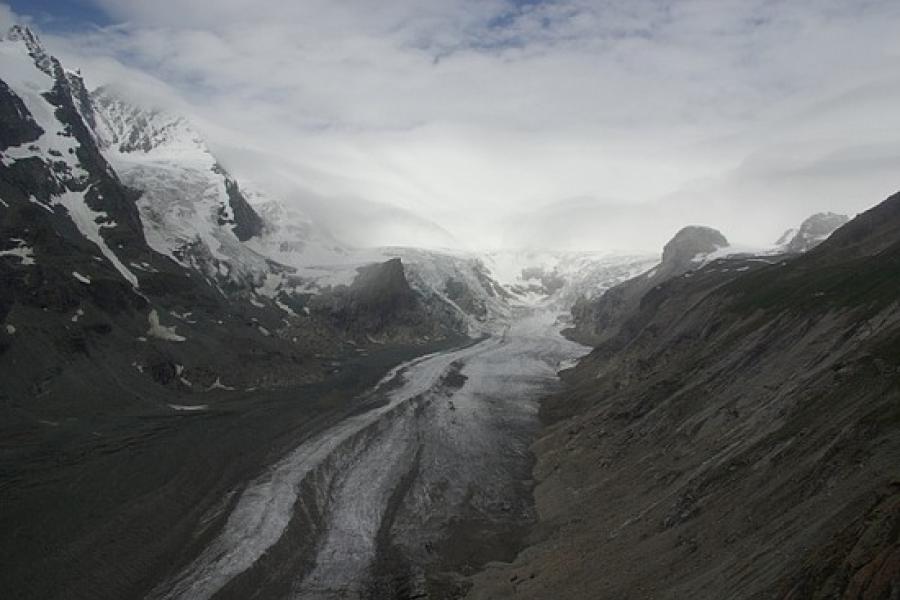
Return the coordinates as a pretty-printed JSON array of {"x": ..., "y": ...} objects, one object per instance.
[
  {"x": 812, "y": 232},
  {"x": 599, "y": 318}
]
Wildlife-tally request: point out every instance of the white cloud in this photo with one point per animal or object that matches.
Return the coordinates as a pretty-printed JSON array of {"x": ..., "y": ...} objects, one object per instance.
[
  {"x": 7, "y": 17},
  {"x": 742, "y": 114}
]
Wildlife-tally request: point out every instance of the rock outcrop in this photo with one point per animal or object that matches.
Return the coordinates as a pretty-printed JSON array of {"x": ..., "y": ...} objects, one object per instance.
[
  {"x": 380, "y": 297},
  {"x": 597, "y": 320}
]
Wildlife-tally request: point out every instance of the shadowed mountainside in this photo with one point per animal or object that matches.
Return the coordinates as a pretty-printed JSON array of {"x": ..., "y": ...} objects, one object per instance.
[{"x": 738, "y": 437}]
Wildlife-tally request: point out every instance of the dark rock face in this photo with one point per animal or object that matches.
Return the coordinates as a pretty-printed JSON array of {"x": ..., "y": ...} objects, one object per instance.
[
  {"x": 380, "y": 303},
  {"x": 379, "y": 297},
  {"x": 103, "y": 191},
  {"x": 690, "y": 242},
  {"x": 462, "y": 296},
  {"x": 737, "y": 438},
  {"x": 383, "y": 287},
  {"x": 246, "y": 223},
  {"x": 82, "y": 99},
  {"x": 16, "y": 125},
  {"x": 599, "y": 320},
  {"x": 813, "y": 232}
]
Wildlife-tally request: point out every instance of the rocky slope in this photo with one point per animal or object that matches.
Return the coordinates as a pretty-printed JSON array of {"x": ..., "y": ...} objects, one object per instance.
[
  {"x": 738, "y": 438},
  {"x": 597, "y": 319}
]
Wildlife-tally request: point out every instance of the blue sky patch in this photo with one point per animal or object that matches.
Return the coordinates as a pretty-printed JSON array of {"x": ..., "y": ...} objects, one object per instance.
[{"x": 61, "y": 15}]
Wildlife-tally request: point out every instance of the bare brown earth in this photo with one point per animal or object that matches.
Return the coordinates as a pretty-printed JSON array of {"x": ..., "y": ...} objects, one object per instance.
[{"x": 739, "y": 438}]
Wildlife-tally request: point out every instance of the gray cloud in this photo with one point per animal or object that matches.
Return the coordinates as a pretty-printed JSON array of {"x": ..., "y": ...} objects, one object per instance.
[
  {"x": 7, "y": 17},
  {"x": 483, "y": 115}
]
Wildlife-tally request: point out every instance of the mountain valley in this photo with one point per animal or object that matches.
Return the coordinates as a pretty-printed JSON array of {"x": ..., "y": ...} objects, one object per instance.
[{"x": 208, "y": 395}]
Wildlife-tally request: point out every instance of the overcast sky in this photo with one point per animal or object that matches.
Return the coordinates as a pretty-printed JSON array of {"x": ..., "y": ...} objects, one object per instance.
[{"x": 570, "y": 124}]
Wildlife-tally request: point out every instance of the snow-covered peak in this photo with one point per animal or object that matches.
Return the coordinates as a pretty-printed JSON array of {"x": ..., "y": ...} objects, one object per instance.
[
  {"x": 146, "y": 133},
  {"x": 21, "y": 70},
  {"x": 25, "y": 72},
  {"x": 812, "y": 232},
  {"x": 32, "y": 45},
  {"x": 191, "y": 209},
  {"x": 194, "y": 211},
  {"x": 49, "y": 145}
]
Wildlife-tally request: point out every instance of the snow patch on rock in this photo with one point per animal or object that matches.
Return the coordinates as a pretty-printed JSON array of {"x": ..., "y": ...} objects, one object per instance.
[
  {"x": 218, "y": 385},
  {"x": 161, "y": 331},
  {"x": 23, "y": 252},
  {"x": 189, "y": 407},
  {"x": 89, "y": 222}
]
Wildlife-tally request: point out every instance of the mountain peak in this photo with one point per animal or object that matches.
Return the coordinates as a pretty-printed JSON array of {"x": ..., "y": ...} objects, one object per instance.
[
  {"x": 812, "y": 232},
  {"x": 133, "y": 128},
  {"x": 24, "y": 34},
  {"x": 690, "y": 242}
]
